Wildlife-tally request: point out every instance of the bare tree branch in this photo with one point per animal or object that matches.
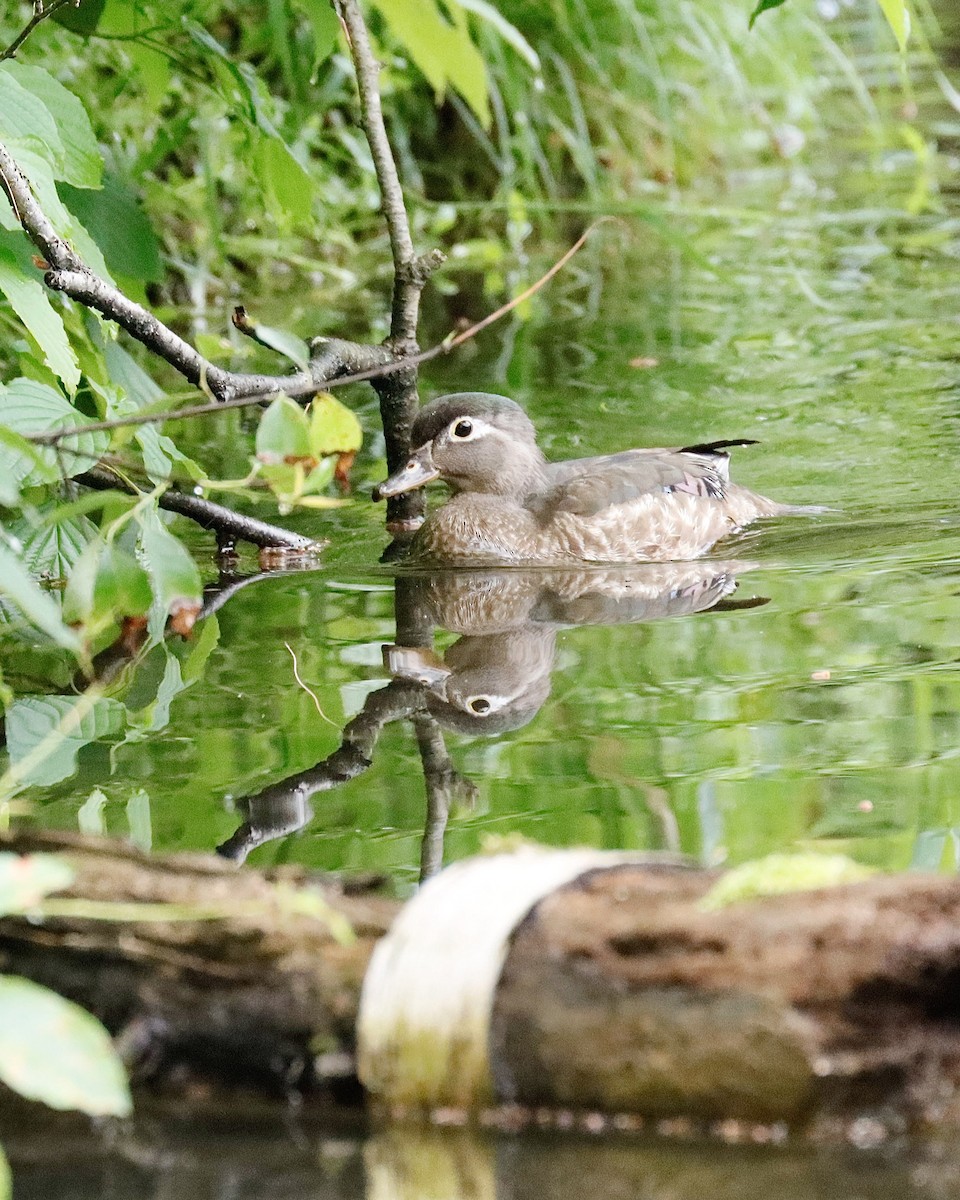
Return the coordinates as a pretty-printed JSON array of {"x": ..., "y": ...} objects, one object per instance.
[
  {"x": 333, "y": 356},
  {"x": 69, "y": 274},
  {"x": 39, "y": 14},
  {"x": 228, "y": 526}
]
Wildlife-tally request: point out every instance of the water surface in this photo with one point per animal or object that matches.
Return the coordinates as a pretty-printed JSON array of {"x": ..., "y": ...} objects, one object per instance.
[{"x": 817, "y": 316}]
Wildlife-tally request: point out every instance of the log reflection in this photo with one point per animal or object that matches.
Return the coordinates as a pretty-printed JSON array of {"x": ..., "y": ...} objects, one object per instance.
[{"x": 494, "y": 678}]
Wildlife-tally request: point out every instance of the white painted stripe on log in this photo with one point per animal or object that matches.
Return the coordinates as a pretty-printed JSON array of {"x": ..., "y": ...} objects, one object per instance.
[{"x": 427, "y": 998}]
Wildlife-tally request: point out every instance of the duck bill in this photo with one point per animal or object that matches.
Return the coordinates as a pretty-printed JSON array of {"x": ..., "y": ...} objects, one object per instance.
[{"x": 415, "y": 472}]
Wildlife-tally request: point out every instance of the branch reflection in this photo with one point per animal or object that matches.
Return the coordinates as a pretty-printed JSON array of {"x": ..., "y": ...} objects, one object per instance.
[{"x": 494, "y": 678}]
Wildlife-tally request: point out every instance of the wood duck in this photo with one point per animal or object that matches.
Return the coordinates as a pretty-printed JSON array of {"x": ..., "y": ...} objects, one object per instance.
[{"x": 510, "y": 505}]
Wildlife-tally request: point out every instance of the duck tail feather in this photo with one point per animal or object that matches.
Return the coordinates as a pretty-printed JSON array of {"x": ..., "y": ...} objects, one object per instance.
[{"x": 717, "y": 447}]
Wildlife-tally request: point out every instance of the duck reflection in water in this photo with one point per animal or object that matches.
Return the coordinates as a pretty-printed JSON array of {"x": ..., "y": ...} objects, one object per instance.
[{"x": 494, "y": 678}]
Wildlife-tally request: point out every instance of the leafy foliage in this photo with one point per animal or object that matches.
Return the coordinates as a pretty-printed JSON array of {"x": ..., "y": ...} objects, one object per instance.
[{"x": 50, "y": 1049}]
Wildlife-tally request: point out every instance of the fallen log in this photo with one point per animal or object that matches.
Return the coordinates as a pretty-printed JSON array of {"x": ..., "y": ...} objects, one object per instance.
[
  {"x": 259, "y": 990},
  {"x": 618, "y": 997}
]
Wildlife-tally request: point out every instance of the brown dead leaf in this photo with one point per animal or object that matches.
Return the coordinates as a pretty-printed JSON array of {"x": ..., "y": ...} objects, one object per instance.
[
  {"x": 342, "y": 471},
  {"x": 183, "y": 616}
]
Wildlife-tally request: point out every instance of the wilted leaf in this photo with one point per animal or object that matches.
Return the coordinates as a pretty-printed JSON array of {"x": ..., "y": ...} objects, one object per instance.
[
  {"x": 26, "y": 878},
  {"x": 53, "y": 1051},
  {"x": 183, "y": 616}
]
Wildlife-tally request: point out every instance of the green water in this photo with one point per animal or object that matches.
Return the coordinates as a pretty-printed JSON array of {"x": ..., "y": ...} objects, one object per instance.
[{"x": 817, "y": 316}]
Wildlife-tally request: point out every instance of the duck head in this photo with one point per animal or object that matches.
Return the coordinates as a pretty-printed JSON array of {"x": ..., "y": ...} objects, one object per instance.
[{"x": 474, "y": 442}]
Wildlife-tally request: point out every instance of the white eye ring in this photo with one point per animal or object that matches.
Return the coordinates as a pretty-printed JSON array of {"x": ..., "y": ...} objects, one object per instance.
[
  {"x": 479, "y": 705},
  {"x": 463, "y": 429}
]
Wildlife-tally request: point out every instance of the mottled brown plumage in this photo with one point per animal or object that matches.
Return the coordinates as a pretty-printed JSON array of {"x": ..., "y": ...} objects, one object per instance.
[{"x": 511, "y": 506}]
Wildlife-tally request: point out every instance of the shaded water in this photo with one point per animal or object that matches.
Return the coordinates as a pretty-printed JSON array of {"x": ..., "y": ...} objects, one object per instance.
[
  {"x": 257, "y": 1156},
  {"x": 816, "y": 703}
]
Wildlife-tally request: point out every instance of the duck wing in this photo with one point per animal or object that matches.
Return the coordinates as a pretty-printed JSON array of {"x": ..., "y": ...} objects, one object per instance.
[{"x": 587, "y": 486}]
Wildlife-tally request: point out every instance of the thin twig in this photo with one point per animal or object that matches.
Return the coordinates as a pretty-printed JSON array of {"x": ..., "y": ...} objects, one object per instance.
[
  {"x": 312, "y": 694},
  {"x": 450, "y": 342},
  {"x": 39, "y": 14},
  {"x": 397, "y": 391},
  {"x": 371, "y": 113}
]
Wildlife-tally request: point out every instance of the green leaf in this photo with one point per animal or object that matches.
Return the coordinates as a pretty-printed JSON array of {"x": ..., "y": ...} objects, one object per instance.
[
  {"x": 31, "y": 302},
  {"x": 764, "y": 6},
  {"x": 82, "y": 161},
  {"x": 36, "y": 605},
  {"x": 20, "y": 461},
  {"x": 295, "y": 348},
  {"x": 140, "y": 391},
  {"x": 115, "y": 219},
  {"x": 26, "y": 124},
  {"x": 105, "y": 585},
  {"x": 81, "y": 17},
  {"x": 173, "y": 573},
  {"x": 51, "y": 548},
  {"x": 151, "y": 69},
  {"x": 203, "y": 647},
  {"x": 36, "y": 165},
  {"x": 27, "y": 406},
  {"x": 898, "y": 18},
  {"x": 441, "y": 49},
  {"x": 26, "y": 878},
  {"x": 283, "y": 433},
  {"x": 31, "y": 719},
  {"x": 6, "y": 1179},
  {"x": 288, "y": 188},
  {"x": 325, "y": 26},
  {"x": 53, "y": 1051},
  {"x": 334, "y": 428}
]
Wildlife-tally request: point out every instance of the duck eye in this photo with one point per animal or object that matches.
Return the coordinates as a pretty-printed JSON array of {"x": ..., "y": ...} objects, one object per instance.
[
  {"x": 463, "y": 429},
  {"x": 479, "y": 705}
]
